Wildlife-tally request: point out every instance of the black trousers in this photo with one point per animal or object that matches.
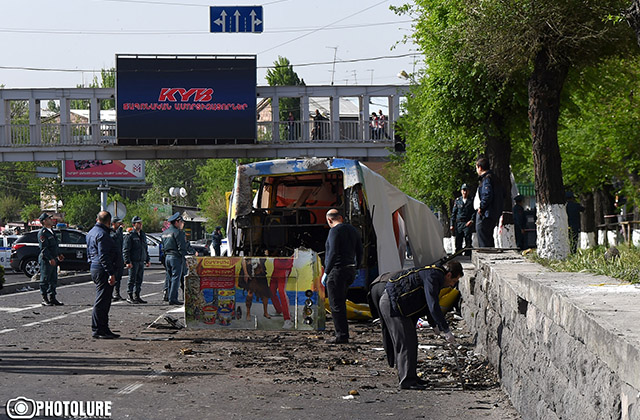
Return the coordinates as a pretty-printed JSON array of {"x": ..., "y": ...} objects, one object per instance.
[
  {"x": 463, "y": 232},
  {"x": 100, "y": 315},
  {"x": 338, "y": 280},
  {"x": 484, "y": 229}
]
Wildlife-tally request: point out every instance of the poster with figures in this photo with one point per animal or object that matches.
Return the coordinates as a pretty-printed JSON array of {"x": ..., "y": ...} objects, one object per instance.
[{"x": 267, "y": 293}]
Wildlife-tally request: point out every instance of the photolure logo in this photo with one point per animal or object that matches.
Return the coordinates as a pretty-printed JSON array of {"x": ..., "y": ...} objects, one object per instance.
[
  {"x": 26, "y": 408},
  {"x": 185, "y": 95}
]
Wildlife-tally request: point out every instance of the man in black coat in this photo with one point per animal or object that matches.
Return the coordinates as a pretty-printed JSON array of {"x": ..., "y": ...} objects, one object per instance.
[{"x": 462, "y": 216}]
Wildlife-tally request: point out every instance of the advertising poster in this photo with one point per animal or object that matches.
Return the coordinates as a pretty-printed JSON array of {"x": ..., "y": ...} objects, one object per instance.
[
  {"x": 186, "y": 98},
  {"x": 264, "y": 293},
  {"x": 130, "y": 170}
]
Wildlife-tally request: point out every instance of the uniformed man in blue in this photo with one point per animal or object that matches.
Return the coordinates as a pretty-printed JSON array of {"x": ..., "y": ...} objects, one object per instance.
[
  {"x": 49, "y": 256},
  {"x": 343, "y": 254},
  {"x": 408, "y": 295},
  {"x": 174, "y": 244},
  {"x": 103, "y": 257},
  {"x": 216, "y": 240},
  {"x": 136, "y": 256},
  {"x": 118, "y": 237},
  {"x": 462, "y": 219}
]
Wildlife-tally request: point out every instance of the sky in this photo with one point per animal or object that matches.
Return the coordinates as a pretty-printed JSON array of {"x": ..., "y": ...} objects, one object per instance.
[{"x": 63, "y": 43}]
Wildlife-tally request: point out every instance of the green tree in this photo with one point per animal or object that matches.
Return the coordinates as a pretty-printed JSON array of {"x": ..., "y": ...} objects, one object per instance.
[
  {"x": 81, "y": 208},
  {"x": 107, "y": 80},
  {"x": 282, "y": 74},
  {"x": 546, "y": 38},
  {"x": 30, "y": 212},
  {"x": 217, "y": 177},
  {"x": 164, "y": 174},
  {"x": 10, "y": 207}
]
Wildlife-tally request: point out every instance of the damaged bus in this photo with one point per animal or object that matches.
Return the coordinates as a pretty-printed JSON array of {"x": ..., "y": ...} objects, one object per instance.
[{"x": 279, "y": 206}]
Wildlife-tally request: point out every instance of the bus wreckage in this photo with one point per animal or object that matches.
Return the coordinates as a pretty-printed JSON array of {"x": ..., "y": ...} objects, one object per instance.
[{"x": 276, "y": 236}]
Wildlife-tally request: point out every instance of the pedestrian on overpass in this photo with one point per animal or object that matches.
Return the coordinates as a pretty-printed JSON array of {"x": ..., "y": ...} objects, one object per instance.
[
  {"x": 407, "y": 295},
  {"x": 174, "y": 243},
  {"x": 49, "y": 256},
  {"x": 103, "y": 258},
  {"x": 118, "y": 238},
  {"x": 136, "y": 255}
]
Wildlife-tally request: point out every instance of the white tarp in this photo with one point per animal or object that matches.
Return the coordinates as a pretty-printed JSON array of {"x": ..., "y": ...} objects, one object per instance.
[{"x": 422, "y": 228}]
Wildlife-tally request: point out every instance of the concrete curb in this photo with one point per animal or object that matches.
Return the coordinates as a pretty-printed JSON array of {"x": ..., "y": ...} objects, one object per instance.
[{"x": 70, "y": 279}]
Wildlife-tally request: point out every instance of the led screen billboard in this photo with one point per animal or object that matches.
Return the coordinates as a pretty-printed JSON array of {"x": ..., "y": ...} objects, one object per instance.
[{"x": 174, "y": 99}]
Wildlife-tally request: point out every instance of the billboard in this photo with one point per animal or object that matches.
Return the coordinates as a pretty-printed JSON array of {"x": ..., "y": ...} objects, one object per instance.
[
  {"x": 185, "y": 100},
  {"x": 98, "y": 170},
  {"x": 237, "y": 292}
]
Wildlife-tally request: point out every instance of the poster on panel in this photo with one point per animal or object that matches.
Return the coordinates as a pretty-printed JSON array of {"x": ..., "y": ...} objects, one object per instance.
[{"x": 112, "y": 170}]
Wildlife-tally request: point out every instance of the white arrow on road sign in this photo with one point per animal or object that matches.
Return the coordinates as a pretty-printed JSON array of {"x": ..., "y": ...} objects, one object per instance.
[
  {"x": 237, "y": 15},
  {"x": 254, "y": 21},
  {"x": 222, "y": 20}
]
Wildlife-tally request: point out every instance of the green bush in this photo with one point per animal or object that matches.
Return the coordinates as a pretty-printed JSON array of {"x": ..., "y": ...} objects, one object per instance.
[{"x": 1, "y": 277}]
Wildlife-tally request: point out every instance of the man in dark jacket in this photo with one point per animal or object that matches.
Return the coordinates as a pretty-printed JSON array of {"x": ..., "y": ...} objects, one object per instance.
[
  {"x": 489, "y": 198},
  {"x": 343, "y": 254},
  {"x": 462, "y": 216},
  {"x": 519, "y": 222},
  {"x": 118, "y": 238},
  {"x": 49, "y": 257},
  {"x": 102, "y": 254},
  {"x": 399, "y": 318},
  {"x": 216, "y": 240},
  {"x": 136, "y": 255},
  {"x": 174, "y": 244},
  {"x": 573, "y": 215}
]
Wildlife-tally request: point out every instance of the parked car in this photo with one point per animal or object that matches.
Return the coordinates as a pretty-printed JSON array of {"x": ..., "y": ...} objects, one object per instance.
[
  {"x": 155, "y": 249},
  {"x": 200, "y": 247},
  {"x": 5, "y": 249},
  {"x": 224, "y": 248},
  {"x": 72, "y": 244}
]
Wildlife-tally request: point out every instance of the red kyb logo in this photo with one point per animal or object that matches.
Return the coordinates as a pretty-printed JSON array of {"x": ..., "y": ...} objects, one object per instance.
[{"x": 184, "y": 95}]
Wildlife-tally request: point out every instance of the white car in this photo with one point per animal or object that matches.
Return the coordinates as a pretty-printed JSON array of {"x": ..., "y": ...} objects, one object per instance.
[
  {"x": 155, "y": 247},
  {"x": 5, "y": 249}
]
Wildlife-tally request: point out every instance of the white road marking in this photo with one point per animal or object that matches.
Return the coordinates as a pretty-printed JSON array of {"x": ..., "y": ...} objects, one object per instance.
[
  {"x": 7, "y": 330},
  {"x": 137, "y": 385},
  {"x": 55, "y": 318},
  {"x": 14, "y": 310}
]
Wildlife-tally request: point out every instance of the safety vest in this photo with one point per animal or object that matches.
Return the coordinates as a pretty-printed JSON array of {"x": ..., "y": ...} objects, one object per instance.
[{"x": 406, "y": 292}]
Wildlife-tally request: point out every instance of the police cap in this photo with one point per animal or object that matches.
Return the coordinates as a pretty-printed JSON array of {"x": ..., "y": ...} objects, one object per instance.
[
  {"x": 464, "y": 187},
  {"x": 136, "y": 219},
  {"x": 43, "y": 217},
  {"x": 175, "y": 217},
  {"x": 116, "y": 220}
]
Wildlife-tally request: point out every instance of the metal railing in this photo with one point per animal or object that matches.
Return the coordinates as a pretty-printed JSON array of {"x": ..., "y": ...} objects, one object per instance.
[{"x": 320, "y": 131}]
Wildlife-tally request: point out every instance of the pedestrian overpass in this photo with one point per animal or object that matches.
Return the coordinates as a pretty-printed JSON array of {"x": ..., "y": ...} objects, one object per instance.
[{"x": 345, "y": 130}]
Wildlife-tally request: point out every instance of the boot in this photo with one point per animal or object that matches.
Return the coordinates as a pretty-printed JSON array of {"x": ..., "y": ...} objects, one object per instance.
[
  {"x": 116, "y": 296},
  {"x": 45, "y": 301},
  {"x": 165, "y": 295},
  {"x": 55, "y": 301},
  {"x": 130, "y": 298},
  {"x": 139, "y": 299}
]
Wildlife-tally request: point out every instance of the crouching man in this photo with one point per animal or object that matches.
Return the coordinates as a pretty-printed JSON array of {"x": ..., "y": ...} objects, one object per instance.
[{"x": 400, "y": 299}]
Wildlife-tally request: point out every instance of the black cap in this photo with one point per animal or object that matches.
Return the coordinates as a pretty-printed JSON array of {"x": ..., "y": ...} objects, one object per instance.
[
  {"x": 43, "y": 217},
  {"x": 218, "y": 227},
  {"x": 464, "y": 187}
]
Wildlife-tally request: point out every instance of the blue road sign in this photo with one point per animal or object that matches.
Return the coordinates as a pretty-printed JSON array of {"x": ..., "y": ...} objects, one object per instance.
[{"x": 232, "y": 19}]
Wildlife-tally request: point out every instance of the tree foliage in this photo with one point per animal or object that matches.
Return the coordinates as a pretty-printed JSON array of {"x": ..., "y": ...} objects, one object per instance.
[
  {"x": 283, "y": 75},
  {"x": 81, "y": 208},
  {"x": 10, "y": 207},
  {"x": 217, "y": 177}
]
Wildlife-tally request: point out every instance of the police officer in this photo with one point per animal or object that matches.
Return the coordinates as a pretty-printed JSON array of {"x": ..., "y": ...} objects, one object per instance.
[
  {"x": 216, "y": 240},
  {"x": 343, "y": 253},
  {"x": 118, "y": 238},
  {"x": 136, "y": 255},
  {"x": 49, "y": 253},
  {"x": 408, "y": 295},
  {"x": 103, "y": 258},
  {"x": 462, "y": 216},
  {"x": 174, "y": 244}
]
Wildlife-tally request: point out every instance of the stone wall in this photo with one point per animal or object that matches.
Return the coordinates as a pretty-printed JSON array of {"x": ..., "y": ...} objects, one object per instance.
[{"x": 566, "y": 345}]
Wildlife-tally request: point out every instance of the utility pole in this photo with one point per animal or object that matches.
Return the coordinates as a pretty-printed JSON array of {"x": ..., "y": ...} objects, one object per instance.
[
  {"x": 333, "y": 69},
  {"x": 355, "y": 77},
  {"x": 371, "y": 72}
]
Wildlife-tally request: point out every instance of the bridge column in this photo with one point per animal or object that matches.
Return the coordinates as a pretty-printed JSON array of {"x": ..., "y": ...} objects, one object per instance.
[
  {"x": 65, "y": 128},
  {"x": 334, "y": 110},
  {"x": 304, "y": 116},
  {"x": 275, "y": 118},
  {"x": 394, "y": 114},
  {"x": 35, "y": 128},
  {"x": 364, "y": 117},
  {"x": 94, "y": 119},
  {"x": 5, "y": 122}
]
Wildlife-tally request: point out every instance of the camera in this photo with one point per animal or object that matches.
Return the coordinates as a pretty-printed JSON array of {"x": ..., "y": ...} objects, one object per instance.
[{"x": 21, "y": 408}]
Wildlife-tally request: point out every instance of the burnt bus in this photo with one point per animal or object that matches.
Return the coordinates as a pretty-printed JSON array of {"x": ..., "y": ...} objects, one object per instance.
[{"x": 279, "y": 206}]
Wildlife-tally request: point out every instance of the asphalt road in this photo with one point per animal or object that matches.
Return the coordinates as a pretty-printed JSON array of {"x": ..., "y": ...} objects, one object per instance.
[{"x": 47, "y": 354}]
